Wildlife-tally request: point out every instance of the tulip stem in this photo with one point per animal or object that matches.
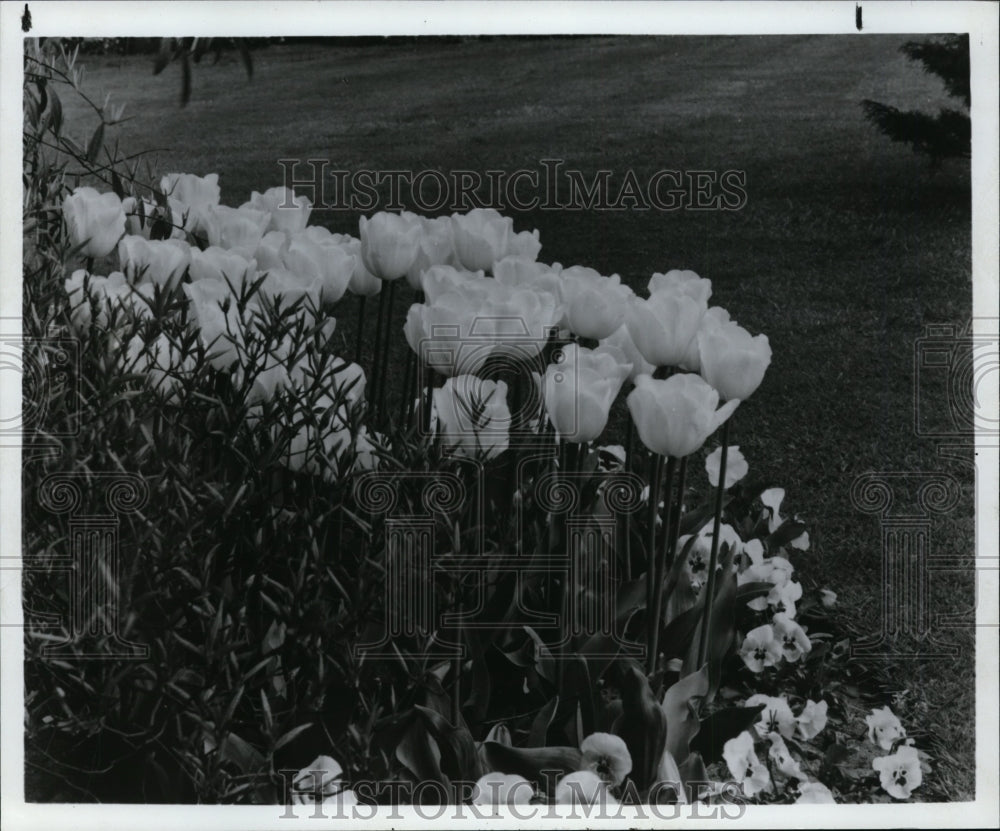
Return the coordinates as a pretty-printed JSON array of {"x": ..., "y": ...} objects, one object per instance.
[
  {"x": 654, "y": 501},
  {"x": 406, "y": 403},
  {"x": 660, "y": 570},
  {"x": 720, "y": 490},
  {"x": 456, "y": 666},
  {"x": 376, "y": 358},
  {"x": 629, "y": 441},
  {"x": 361, "y": 329},
  {"x": 675, "y": 531},
  {"x": 386, "y": 347},
  {"x": 428, "y": 400}
]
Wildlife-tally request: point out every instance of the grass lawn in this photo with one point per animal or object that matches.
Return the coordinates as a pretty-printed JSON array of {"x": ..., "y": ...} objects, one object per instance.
[{"x": 846, "y": 249}]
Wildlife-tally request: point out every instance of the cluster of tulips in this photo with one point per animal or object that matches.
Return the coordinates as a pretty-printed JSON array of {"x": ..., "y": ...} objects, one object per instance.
[
  {"x": 483, "y": 293},
  {"x": 481, "y": 299}
]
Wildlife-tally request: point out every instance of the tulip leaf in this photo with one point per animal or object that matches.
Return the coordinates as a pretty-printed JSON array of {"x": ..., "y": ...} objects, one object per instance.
[
  {"x": 530, "y": 762},
  {"x": 541, "y": 723},
  {"x": 693, "y": 772},
  {"x": 681, "y": 705},
  {"x": 720, "y": 727},
  {"x": 694, "y": 520},
  {"x": 57, "y": 114},
  {"x": 642, "y": 724},
  {"x": 459, "y": 759},
  {"x": 500, "y": 734},
  {"x": 478, "y": 701},
  {"x": 669, "y": 782},
  {"x": 784, "y": 534},
  {"x": 291, "y": 735},
  {"x": 722, "y": 630},
  {"x": 577, "y": 684},
  {"x": 751, "y": 591},
  {"x": 543, "y": 660},
  {"x": 241, "y": 753},
  {"x": 675, "y": 637},
  {"x": 420, "y": 754}
]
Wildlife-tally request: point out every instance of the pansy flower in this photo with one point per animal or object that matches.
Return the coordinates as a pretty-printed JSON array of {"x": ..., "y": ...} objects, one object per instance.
[
  {"x": 760, "y": 648},
  {"x": 812, "y": 719},
  {"x": 775, "y": 717},
  {"x": 794, "y": 641},
  {"x": 884, "y": 728},
  {"x": 899, "y": 773},
  {"x": 743, "y": 764}
]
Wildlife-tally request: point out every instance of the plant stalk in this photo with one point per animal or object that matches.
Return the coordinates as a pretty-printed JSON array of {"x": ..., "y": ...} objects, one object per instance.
[
  {"x": 654, "y": 501},
  {"x": 706, "y": 620},
  {"x": 660, "y": 569}
]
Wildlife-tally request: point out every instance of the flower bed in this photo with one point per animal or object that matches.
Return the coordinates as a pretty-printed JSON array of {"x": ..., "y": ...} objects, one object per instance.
[{"x": 417, "y": 565}]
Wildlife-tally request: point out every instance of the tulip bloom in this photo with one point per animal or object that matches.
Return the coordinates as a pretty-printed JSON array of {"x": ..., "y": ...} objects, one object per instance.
[
  {"x": 220, "y": 331},
  {"x": 195, "y": 192},
  {"x": 220, "y": 265},
  {"x": 362, "y": 283},
  {"x": 732, "y": 361},
  {"x": 236, "y": 228},
  {"x": 525, "y": 244},
  {"x": 682, "y": 282},
  {"x": 664, "y": 325},
  {"x": 160, "y": 361},
  {"x": 521, "y": 273},
  {"x": 674, "y": 417},
  {"x": 162, "y": 262},
  {"x": 270, "y": 251},
  {"x": 437, "y": 247},
  {"x": 594, "y": 305},
  {"x": 287, "y": 211},
  {"x": 330, "y": 265},
  {"x": 580, "y": 389},
  {"x": 389, "y": 244},
  {"x": 95, "y": 221},
  {"x": 482, "y": 236},
  {"x": 623, "y": 340},
  {"x": 439, "y": 279},
  {"x": 473, "y": 416}
]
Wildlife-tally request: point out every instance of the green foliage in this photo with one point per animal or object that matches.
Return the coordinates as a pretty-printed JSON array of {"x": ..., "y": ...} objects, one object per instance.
[{"x": 947, "y": 134}]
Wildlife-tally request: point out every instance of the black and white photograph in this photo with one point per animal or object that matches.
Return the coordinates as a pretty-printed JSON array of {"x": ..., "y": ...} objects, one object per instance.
[{"x": 423, "y": 414}]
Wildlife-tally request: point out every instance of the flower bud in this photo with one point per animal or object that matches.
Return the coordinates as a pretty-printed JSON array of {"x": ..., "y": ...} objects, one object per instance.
[
  {"x": 95, "y": 221},
  {"x": 674, "y": 417}
]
